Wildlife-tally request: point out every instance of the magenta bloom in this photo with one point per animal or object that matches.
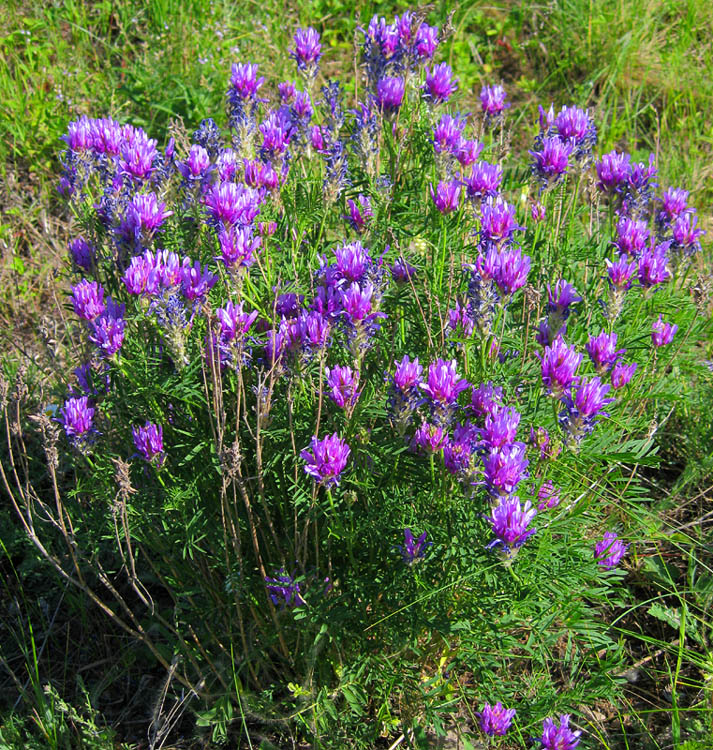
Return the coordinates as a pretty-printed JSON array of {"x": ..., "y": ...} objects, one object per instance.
[
  {"x": 486, "y": 399},
  {"x": 307, "y": 50},
  {"x": 149, "y": 441},
  {"x": 244, "y": 80},
  {"x": 620, "y": 272},
  {"x": 412, "y": 549},
  {"x": 357, "y": 302},
  {"x": 390, "y": 93},
  {"x": 233, "y": 321},
  {"x": 446, "y": 196},
  {"x": 613, "y": 171},
  {"x": 512, "y": 271},
  {"x": 500, "y": 428},
  {"x": 138, "y": 152},
  {"x": 552, "y": 160},
  {"x": 448, "y": 134},
  {"x": 547, "y": 496},
  {"x": 408, "y": 374},
  {"x": 504, "y": 468},
  {"x": 360, "y": 212},
  {"x": 631, "y": 236},
  {"x": 483, "y": 181},
  {"x": 622, "y": 374},
  {"x": 686, "y": 234},
  {"x": 144, "y": 215},
  {"x": 353, "y": 260},
  {"x": 559, "y": 366},
  {"x": 283, "y": 589},
  {"x": 609, "y": 551},
  {"x": 662, "y": 333},
  {"x": 107, "y": 331},
  {"x": 492, "y": 99},
  {"x": 88, "y": 299},
  {"x": 83, "y": 254},
  {"x": 231, "y": 203},
  {"x": 196, "y": 166},
  {"x": 429, "y": 437},
  {"x": 444, "y": 385},
  {"x": 603, "y": 352},
  {"x": 77, "y": 418},
  {"x": 674, "y": 202},
  {"x": 590, "y": 398},
  {"x": 510, "y": 521},
  {"x": 468, "y": 152},
  {"x": 402, "y": 271},
  {"x": 559, "y": 737},
  {"x": 343, "y": 385},
  {"x": 440, "y": 84},
  {"x": 326, "y": 459},
  {"x": 497, "y": 222},
  {"x": 196, "y": 282},
  {"x": 495, "y": 720},
  {"x": 238, "y": 247},
  {"x": 653, "y": 266}
]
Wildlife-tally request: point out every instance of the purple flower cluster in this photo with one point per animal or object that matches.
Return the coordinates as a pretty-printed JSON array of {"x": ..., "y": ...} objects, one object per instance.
[
  {"x": 609, "y": 551},
  {"x": 412, "y": 549},
  {"x": 495, "y": 720},
  {"x": 326, "y": 459}
]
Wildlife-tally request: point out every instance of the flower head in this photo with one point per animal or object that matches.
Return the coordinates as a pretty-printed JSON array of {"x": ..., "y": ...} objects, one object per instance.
[
  {"x": 495, "y": 720},
  {"x": 504, "y": 468},
  {"x": 88, "y": 299},
  {"x": 284, "y": 591},
  {"x": 440, "y": 84},
  {"x": 492, "y": 100},
  {"x": 77, "y": 418},
  {"x": 307, "y": 51},
  {"x": 149, "y": 441},
  {"x": 609, "y": 551},
  {"x": 560, "y": 737},
  {"x": 603, "y": 352},
  {"x": 662, "y": 333},
  {"x": 443, "y": 384},
  {"x": 559, "y": 366},
  {"x": 446, "y": 196},
  {"x": 621, "y": 374},
  {"x": 412, "y": 549},
  {"x": 510, "y": 520},
  {"x": 390, "y": 93},
  {"x": 343, "y": 385},
  {"x": 327, "y": 459}
]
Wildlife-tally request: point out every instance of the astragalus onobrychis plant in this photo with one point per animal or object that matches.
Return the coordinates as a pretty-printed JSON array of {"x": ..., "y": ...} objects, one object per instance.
[{"x": 351, "y": 443}]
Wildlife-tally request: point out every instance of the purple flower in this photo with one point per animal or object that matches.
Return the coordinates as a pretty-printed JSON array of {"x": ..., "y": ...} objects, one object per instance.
[
  {"x": 613, "y": 171},
  {"x": 448, "y": 134},
  {"x": 540, "y": 439},
  {"x": 428, "y": 437},
  {"x": 552, "y": 160},
  {"x": 484, "y": 180},
  {"x": 276, "y": 132},
  {"x": 547, "y": 496},
  {"x": 108, "y": 330},
  {"x": 238, "y": 247},
  {"x": 196, "y": 282},
  {"x": 286, "y": 91},
  {"x": 440, "y": 84},
  {"x": 88, "y": 299},
  {"x": 631, "y": 236},
  {"x": 500, "y": 428},
  {"x": 149, "y": 442},
  {"x": 77, "y": 418},
  {"x": 510, "y": 520},
  {"x": 653, "y": 266},
  {"x": 538, "y": 212},
  {"x": 407, "y": 374},
  {"x": 401, "y": 271},
  {"x": 353, "y": 260},
  {"x": 359, "y": 213},
  {"x": 686, "y": 235},
  {"x": 512, "y": 271},
  {"x": 559, "y": 737},
  {"x": 603, "y": 352},
  {"x": 497, "y": 223},
  {"x": 559, "y": 303},
  {"x": 504, "y": 468},
  {"x": 559, "y": 366},
  {"x": 231, "y": 203},
  {"x": 457, "y": 455},
  {"x": 307, "y": 51},
  {"x": 138, "y": 152},
  {"x": 244, "y": 80},
  {"x": 492, "y": 100},
  {"x": 674, "y": 202},
  {"x": 662, "y": 333},
  {"x": 582, "y": 412},
  {"x": 609, "y": 551},
  {"x": 357, "y": 302},
  {"x": 622, "y": 374},
  {"x": 495, "y": 720},
  {"x": 620, "y": 272},
  {"x": 234, "y": 322},
  {"x": 446, "y": 196},
  {"x": 196, "y": 166},
  {"x": 343, "y": 383},
  {"x": 426, "y": 41},
  {"x": 82, "y": 253},
  {"x": 390, "y": 93},
  {"x": 327, "y": 459},
  {"x": 486, "y": 399},
  {"x": 577, "y": 127},
  {"x": 283, "y": 589},
  {"x": 468, "y": 152},
  {"x": 443, "y": 384},
  {"x": 412, "y": 549}
]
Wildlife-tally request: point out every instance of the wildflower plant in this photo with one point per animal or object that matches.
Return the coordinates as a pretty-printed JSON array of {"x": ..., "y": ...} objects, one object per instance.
[{"x": 318, "y": 323}]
